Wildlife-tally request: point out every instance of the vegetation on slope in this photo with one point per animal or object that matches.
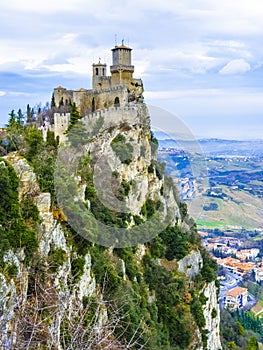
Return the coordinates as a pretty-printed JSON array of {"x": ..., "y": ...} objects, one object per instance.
[
  {"x": 238, "y": 331},
  {"x": 155, "y": 306},
  {"x": 15, "y": 230}
]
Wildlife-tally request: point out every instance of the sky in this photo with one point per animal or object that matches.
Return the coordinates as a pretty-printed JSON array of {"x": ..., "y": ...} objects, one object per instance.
[{"x": 200, "y": 60}]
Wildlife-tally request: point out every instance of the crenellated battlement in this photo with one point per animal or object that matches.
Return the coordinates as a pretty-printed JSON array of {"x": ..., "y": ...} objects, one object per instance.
[
  {"x": 110, "y": 95},
  {"x": 112, "y": 116},
  {"x": 61, "y": 123},
  {"x": 103, "y": 91}
]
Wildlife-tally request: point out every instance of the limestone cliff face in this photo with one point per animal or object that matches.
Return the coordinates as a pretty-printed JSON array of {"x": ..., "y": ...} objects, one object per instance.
[
  {"x": 191, "y": 266},
  {"x": 13, "y": 293},
  {"x": 134, "y": 125},
  {"x": 141, "y": 186},
  {"x": 212, "y": 316}
]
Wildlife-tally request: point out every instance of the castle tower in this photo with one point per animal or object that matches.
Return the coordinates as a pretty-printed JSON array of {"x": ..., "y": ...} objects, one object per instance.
[
  {"x": 121, "y": 69},
  {"x": 99, "y": 75}
]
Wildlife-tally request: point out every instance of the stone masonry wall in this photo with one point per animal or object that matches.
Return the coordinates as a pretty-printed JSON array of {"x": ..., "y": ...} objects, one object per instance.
[{"x": 112, "y": 116}]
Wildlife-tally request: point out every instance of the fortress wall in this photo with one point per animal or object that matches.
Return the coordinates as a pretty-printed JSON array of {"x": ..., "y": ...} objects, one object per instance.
[
  {"x": 61, "y": 122},
  {"x": 113, "y": 117},
  {"x": 67, "y": 96},
  {"x": 101, "y": 82},
  {"x": 90, "y": 100},
  {"x": 103, "y": 98}
]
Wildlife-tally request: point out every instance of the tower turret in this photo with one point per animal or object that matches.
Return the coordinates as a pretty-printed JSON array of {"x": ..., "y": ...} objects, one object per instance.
[
  {"x": 99, "y": 75},
  {"x": 121, "y": 69}
]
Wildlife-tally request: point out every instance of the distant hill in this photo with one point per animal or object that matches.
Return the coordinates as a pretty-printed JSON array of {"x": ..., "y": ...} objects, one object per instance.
[
  {"x": 234, "y": 168},
  {"x": 216, "y": 147}
]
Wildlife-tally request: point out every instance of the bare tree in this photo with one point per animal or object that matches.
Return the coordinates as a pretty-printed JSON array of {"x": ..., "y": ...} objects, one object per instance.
[{"x": 51, "y": 318}]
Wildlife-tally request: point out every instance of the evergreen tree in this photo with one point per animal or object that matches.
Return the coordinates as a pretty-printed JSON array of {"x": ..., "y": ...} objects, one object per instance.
[
  {"x": 12, "y": 122},
  {"x": 74, "y": 116},
  {"x": 13, "y": 231},
  {"x": 231, "y": 345},
  {"x": 30, "y": 113},
  {"x": 34, "y": 139},
  {"x": 51, "y": 141},
  {"x": 252, "y": 344},
  {"x": 14, "y": 131},
  {"x": 53, "y": 104},
  {"x": 20, "y": 117}
]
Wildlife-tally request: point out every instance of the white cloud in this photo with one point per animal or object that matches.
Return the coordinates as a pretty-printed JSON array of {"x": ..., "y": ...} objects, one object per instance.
[
  {"x": 192, "y": 58},
  {"x": 174, "y": 94},
  {"x": 223, "y": 16},
  {"x": 47, "y": 6},
  {"x": 2, "y": 93},
  {"x": 20, "y": 93},
  {"x": 180, "y": 44},
  {"x": 237, "y": 66},
  {"x": 190, "y": 49},
  {"x": 213, "y": 15}
]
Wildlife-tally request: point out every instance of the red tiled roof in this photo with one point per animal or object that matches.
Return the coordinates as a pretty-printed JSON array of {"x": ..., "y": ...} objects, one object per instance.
[{"x": 236, "y": 291}]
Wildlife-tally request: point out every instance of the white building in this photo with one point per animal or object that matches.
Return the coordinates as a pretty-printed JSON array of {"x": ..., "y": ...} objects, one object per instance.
[
  {"x": 258, "y": 274},
  {"x": 236, "y": 298}
]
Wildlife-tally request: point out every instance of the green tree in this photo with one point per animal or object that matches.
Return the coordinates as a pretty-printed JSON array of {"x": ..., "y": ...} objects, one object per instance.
[
  {"x": 123, "y": 149},
  {"x": 231, "y": 345},
  {"x": 35, "y": 142},
  {"x": 176, "y": 242},
  {"x": 241, "y": 329},
  {"x": 197, "y": 312},
  {"x": 12, "y": 122},
  {"x": 74, "y": 116},
  {"x": 13, "y": 231},
  {"x": 44, "y": 164},
  {"x": 51, "y": 141},
  {"x": 209, "y": 268},
  {"x": 252, "y": 344},
  {"x": 14, "y": 129},
  {"x": 183, "y": 210},
  {"x": 20, "y": 117},
  {"x": 30, "y": 114},
  {"x": 53, "y": 104}
]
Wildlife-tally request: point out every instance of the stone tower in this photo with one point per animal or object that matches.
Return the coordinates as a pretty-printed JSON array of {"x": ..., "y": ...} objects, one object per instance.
[
  {"x": 99, "y": 77},
  {"x": 119, "y": 89},
  {"x": 121, "y": 69}
]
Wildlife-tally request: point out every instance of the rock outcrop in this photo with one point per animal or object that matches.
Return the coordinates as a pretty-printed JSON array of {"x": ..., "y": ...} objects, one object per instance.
[{"x": 75, "y": 276}]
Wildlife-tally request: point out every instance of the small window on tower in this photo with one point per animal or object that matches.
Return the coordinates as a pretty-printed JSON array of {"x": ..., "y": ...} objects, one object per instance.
[
  {"x": 117, "y": 102},
  {"x": 103, "y": 71},
  {"x": 97, "y": 71}
]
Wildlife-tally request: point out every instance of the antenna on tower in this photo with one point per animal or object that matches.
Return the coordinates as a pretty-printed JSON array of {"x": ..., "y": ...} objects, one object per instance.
[{"x": 115, "y": 39}]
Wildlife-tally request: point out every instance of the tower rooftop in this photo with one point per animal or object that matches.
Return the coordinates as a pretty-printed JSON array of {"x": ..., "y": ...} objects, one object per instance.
[{"x": 122, "y": 46}]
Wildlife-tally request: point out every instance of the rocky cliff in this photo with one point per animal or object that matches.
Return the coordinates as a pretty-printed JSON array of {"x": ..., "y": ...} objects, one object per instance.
[{"x": 118, "y": 263}]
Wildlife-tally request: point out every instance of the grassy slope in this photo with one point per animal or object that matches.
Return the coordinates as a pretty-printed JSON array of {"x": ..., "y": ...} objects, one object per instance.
[{"x": 243, "y": 210}]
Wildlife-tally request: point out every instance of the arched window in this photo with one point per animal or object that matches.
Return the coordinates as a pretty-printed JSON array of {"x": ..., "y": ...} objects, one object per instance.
[
  {"x": 117, "y": 102},
  {"x": 93, "y": 105},
  {"x": 97, "y": 71},
  {"x": 103, "y": 71}
]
